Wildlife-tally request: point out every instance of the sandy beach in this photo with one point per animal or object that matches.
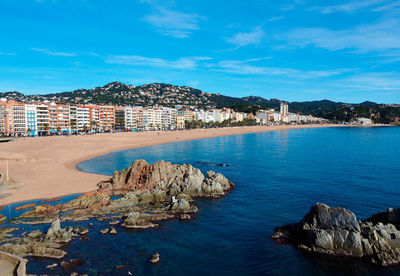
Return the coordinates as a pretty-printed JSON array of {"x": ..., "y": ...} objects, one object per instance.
[{"x": 45, "y": 167}]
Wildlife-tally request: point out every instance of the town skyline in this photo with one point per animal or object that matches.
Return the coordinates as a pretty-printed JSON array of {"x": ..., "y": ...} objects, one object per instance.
[{"x": 296, "y": 51}]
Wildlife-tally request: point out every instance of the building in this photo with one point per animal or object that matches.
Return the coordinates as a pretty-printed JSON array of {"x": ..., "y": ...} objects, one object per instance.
[
  {"x": 82, "y": 118},
  {"x": 107, "y": 117},
  {"x": 180, "y": 121},
  {"x": 42, "y": 116},
  {"x": 284, "y": 111},
  {"x": 72, "y": 118},
  {"x": 120, "y": 118},
  {"x": 4, "y": 118},
  {"x": 364, "y": 121},
  {"x": 31, "y": 120},
  {"x": 16, "y": 118},
  {"x": 94, "y": 117},
  {"x": 59, "y": 118}
]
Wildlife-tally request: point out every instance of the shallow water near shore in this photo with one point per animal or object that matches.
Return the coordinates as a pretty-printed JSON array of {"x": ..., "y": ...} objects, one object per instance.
[{"x": 278, "y": 176}]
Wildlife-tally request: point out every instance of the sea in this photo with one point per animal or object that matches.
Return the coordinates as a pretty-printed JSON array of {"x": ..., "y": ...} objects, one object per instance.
[{"x": 278, "y": 176}]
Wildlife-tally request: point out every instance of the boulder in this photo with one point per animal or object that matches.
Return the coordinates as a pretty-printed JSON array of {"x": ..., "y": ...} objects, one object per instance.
[
  {"x": 336, "y": 231},
  {"x": 155, "y": 258}
]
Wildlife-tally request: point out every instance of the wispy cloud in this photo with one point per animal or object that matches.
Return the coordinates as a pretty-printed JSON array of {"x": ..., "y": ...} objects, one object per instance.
[
  {"x": 376, "y": 38},
  {"x": 250, "y": 38},
  {"x": 54, "y": 53},
  {"x": 7, "y": 54},
  {"x": 354, "y": 6},
  {"x": 173, "y": 23},
  {"x": 246, "y": 67},
  {"x": 385, "y": 81},
  {"x": 181, "y": 63},
  {"x": 276, "y": 18}
]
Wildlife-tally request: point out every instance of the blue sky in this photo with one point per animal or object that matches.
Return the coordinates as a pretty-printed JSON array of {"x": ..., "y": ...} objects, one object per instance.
[{"x": 292, "y": 50}]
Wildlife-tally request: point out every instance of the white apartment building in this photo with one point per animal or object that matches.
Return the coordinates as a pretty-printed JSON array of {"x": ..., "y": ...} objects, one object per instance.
[
  {"x": 42, "y": 116},
  {"x": 31, "y": 120},
  {"x": 82, "y": 118}
]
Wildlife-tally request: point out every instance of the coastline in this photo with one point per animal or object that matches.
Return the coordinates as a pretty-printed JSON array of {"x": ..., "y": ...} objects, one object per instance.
[{"x": 46, "y": 167}]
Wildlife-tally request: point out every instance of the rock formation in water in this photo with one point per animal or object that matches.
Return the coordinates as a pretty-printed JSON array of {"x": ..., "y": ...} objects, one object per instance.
[
  {"x": 45, "y": 245},
  {"x": 171, "y": 178},
  {"x": 148, "y": 193},
  {"x": 337, "y": 231}
]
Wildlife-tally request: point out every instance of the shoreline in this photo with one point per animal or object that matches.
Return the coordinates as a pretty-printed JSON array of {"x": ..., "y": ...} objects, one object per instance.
[{"x": 52, "y": 172}]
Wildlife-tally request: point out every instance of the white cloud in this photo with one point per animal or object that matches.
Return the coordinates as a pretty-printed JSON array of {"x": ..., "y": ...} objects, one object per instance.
[
  {"x": 7, "y": 54},
  {"x": 181, "y": 63},
  {"x": 173, "y": 23},
  {"x": 377, "y": 38},
  {"x": 385, "y": 81},
  {"x": 54, "y": 53},
  {"x": 245, "y": 67},
  {"x": 354, "y": 6},
  {"x": 276, "y": 18},
  {"x": 245, "y": 39}
]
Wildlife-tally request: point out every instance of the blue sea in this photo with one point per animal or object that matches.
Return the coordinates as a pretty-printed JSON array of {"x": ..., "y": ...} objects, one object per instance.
[{"x": 278, "y": 175}]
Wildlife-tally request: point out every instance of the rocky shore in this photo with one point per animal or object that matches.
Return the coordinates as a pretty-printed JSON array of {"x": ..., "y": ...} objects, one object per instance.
[
  {"x": 135, "y": 198},
  {"x": 337, "y": 231}
]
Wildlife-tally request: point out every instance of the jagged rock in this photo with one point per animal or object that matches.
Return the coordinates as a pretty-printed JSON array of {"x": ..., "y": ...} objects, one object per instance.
[
  {"x": 83, "y": 231},
  {"x": 113, "y": 222},
  {"x": 104, "y": 231},
  {"x": 155, "y": 258},
  {"x": 336, "y": 231},
  {"x": 181, "y": 205},
  {"x": 167, "y": 177},
  {"x": 5, "y": 233},
  {"x": 113, "y": 231},
  {"x": 55, "y": 232},
  {"x": 33, "y": 249},
  {"x": 184, "y": 216}
]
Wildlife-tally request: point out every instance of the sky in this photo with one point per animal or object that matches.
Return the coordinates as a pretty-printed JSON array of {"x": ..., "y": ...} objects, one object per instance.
[{"x": 296, "y": 50}]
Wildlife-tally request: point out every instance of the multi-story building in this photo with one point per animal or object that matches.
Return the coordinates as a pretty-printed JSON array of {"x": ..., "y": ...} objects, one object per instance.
[
  {"x": 107, "y": 117},
  {"x": 17, "y": 117},
  {"x": 82, "y": 118},
  {"x": 59, "y": 118},
  {"x": 137, "y": 118},
  {"x": 189, "y": 115},
  {"x": 4, "y": 118},
  {"x": 284, "y": 111},
  {"x": 42, "y": 116},
  {"x": 31, "y": 120},
  {"x": 94, "y": 117},
  {"x": 130, "y": 123},
  {"x": 120, "y": 118},
  {"x": 73, "y": 118},
  {"x": 180, "y": 122}
]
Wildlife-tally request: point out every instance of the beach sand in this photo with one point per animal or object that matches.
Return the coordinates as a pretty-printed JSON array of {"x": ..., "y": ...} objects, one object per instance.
[{"x": 44, "y": 167}]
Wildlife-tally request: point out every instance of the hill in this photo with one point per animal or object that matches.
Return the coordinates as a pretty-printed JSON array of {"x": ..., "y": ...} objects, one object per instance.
[{"x": 162, "y": 94}]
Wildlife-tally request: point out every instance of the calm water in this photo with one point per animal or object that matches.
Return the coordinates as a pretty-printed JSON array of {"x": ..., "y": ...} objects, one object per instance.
[{"x": 278, "y": 176}]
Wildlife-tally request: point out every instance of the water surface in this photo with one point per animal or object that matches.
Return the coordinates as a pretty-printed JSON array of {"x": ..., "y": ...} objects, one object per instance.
[{"x": 278, "y": 176}]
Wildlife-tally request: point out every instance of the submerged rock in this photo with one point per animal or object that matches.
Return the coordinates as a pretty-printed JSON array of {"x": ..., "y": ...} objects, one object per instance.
[
  {"x": 336, "y": 231},
  {"x": 71, "y": 264},
  {"x": 155, "y": 258}
]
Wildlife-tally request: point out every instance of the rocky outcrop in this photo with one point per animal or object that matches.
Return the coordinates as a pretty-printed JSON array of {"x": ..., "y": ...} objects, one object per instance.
[
  {"x": 337, "y": 231},
  {"x": 164, "y": 176},
  {"x": 38, "y": 244}
]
